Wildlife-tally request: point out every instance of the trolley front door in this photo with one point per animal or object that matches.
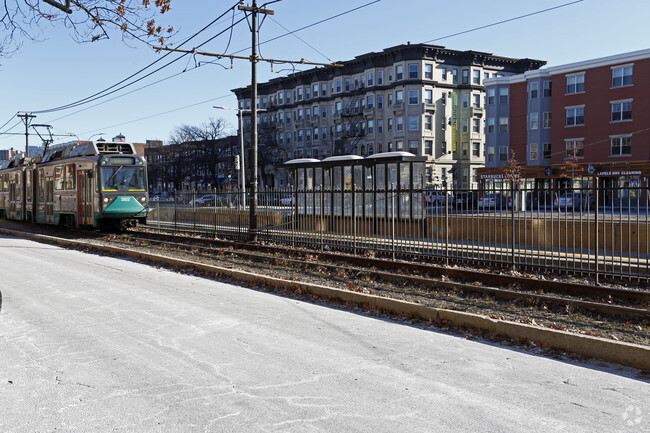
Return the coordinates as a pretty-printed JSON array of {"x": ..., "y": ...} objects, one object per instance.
[
  {"x": 49, "y": 200},
  {"x": 85, "y": 197}
]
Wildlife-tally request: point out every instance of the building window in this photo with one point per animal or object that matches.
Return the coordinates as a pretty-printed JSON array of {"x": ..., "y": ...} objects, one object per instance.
[
  {"x": 443, "y": 147},
  {"x": 503, "y": 153},
  {"x": 533, "y": 89},
  {"x": 575, "y": 84},
  {"x": 380, "y": 78},
  {"x": 490, "y": 125},
  {"x": 323, "y": 90},
  {"x": 390, "y": 123},
  {"x": 532, "y": 151},
  {"x": 490, "y": 96},
  {"x": 428, "y": 122},
  {"x": 399, "y": 145},
  {"x": 315, "y": 90},
  {"x": 428, "y": 96},
  {"x": 428, "y": 147},
  {"x": 370, "y": 102},
  {"x": 413, "y": 146},
  {"x": 622, "y": 76},
  {"x": 443, "y": 71},
  {"x": 413, "y": 123},
  {"x": 380, "y": 102},
  {"x": 414, "y": 97},
  {"x": 548, "y": 89},
  {"x": 534, "y": 121},
  {"x": 308, "y": 92},
  {"x": 443, "y": 122},
  {"x": 371, "y": 79},
  {"x": 621, "y": 111},
  {"x": 476, "y": 126},
  {"x": 347, "y": 85},
  {"x": 390, "y": 75},
  {"x": 465, "y": 73},
  {"x": 399, "y": 97},
  {"x": 574, "y": 147},
  {"x": 300, "y": 93},
  {"x": 621, "y": 145},
  {"x": 399, "y": 72},
  {"x": 503, "y": 95},
  {"x": 454, "y": 76},
  {"x": 503, "y": 124},
  {"x": 399, "y": 123},
  {"x": 547, "y": 151},
  {"x": 428, "y": 71},
  {"x": 575, "y": 116},
  {"x": 413, "y": 71},
  {"x": 490, "y": 153},
  {"x": 465, "y": 100},
  {"x": 323, "y": 111},
  {"x": 477, "y": 100},
  {"x": 547, "y": 119},
  {"x": 476, "y": 149},
  {"x": 371, "y": 126},
  {"x": 315, "y": 134},
  {"x": 380, "y": 126},
  {"x": 465, "y": 125},
  {"x": 465, "y": 148},
  {"x": 476, "y": 77}
]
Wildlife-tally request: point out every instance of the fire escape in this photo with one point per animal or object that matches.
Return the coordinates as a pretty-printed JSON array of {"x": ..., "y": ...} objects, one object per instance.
[{"x": 352, "y": 119}]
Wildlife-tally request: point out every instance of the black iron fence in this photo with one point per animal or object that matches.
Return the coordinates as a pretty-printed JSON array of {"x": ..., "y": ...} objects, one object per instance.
[{"x": 581, "y": 230}]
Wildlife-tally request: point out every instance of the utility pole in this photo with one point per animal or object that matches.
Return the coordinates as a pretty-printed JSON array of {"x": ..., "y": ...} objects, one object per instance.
[
  {"x": 253, "y": 10},
  {"x": 26, "y": 118}
]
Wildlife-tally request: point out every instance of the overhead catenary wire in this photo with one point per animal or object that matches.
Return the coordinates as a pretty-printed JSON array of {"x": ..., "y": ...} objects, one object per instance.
[
  {"x": 106, "y": 92},
  {"x": 503, "y": 21}
]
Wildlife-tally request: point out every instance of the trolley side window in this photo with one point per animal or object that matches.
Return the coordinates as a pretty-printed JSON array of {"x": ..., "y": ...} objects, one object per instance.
[
  {"x": 58, "y": 177},
  {"x": 69, "y": 177},
  {"x": 64, "y": 177}
]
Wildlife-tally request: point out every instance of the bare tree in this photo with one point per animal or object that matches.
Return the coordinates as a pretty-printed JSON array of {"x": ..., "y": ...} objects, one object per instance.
[
  {"x": 87, "y": 20},
  {"x": 204, "y": 150}
]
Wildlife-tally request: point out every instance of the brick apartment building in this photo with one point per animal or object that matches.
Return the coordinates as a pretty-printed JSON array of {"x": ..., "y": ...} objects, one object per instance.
[
  {"x": 424, "y": 99},
  {"x": 594, "y": 113}
]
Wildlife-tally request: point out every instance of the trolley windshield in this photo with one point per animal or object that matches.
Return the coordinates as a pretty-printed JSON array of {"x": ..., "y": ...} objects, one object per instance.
[{"x": 122, "y": 178}]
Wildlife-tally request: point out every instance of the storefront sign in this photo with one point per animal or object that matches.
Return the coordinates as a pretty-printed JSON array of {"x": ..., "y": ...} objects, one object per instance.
[{"x": 619, "y": 173}]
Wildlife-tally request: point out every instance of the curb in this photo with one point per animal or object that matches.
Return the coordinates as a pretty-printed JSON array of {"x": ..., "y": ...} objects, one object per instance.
[{"x": 627, "y": 354}]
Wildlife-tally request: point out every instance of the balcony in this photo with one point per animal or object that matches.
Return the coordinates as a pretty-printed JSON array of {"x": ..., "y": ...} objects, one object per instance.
[{"x": 477, "y": 111}]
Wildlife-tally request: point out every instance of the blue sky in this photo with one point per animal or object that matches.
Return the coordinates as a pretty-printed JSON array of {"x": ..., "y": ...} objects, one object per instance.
[{"x": 58, "y": 71}]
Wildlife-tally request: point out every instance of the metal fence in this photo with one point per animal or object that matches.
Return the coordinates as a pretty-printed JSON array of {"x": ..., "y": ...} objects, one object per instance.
[{"x": 584, "y": 230}]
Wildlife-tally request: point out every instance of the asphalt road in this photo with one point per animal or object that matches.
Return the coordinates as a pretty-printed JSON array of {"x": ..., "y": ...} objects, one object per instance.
[{"x": 98, "y": 344}]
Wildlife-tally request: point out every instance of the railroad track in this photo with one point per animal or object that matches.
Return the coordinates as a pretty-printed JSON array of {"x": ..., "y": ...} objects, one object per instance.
[{"x": 608, "y": 301}]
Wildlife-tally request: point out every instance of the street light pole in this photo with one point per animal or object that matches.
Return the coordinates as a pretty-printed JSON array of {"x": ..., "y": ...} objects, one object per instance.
[{"x": 242, "y": 165}]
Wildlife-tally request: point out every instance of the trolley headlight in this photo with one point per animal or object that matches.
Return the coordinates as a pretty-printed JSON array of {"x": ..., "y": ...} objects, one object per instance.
[
  {"x": 105, "y": 200},
  {"x": 143, "y": 199}
]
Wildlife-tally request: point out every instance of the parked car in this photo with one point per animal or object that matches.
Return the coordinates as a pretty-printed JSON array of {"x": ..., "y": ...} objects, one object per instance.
[
  {"x": 494, "y": 201},
  {"x": 573, "y": 201},
  {"x": 538, "y": 199},
  {"x": 439, "y": 198},
  {"x": 287, "y": 201},
  {"x": 209, "y": 200},
  {"x": 465, "y": 200}
]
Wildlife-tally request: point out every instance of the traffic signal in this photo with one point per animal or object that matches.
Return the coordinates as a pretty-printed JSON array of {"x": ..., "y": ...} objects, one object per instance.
[{"x": 229, "y": 173}]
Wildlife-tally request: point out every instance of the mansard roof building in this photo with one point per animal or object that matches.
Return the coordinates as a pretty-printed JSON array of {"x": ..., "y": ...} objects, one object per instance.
[{"x": 420, "y": 98}]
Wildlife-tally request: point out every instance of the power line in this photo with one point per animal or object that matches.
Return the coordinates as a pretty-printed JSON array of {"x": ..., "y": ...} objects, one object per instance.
[
  {"x": 158, "y": 114},
  {"x": 504, "y": 21},
  {"x": 104, "y": 93}
]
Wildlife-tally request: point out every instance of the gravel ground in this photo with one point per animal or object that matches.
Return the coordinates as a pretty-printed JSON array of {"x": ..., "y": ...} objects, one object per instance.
[{"x": 564, "y": 318}]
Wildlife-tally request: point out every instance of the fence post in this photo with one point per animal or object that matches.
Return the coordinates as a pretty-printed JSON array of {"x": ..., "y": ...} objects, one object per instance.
[
  {"x": 354, "y": 216},
  {"x": 392, "y": 231},
  {"x": 447, "y": 225},
  {"x": 512, "y": 224},
  {"x": 596, "y": 243}
]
